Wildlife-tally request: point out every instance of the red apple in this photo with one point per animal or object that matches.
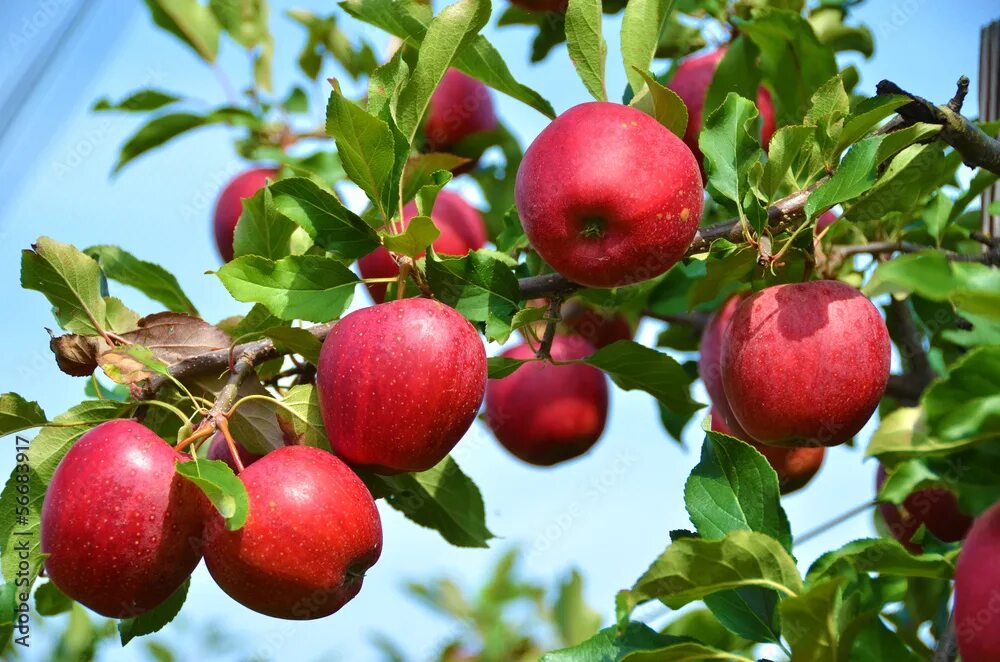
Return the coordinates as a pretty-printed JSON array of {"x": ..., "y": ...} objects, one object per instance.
[
  {"x": 545, "y": 413},
  {"x": 218, "y": 449},
  {"x": 935, "y": 508},
  {"x": 121, "y": 529},
  {"x": 399, "y": 384},
  {"x": 460, "y": 106},
  {"x": 805, "y": 364},
  {"x": 710, "y": 369},
  {"x": 691, "y": 81},
  {"x": 598, "y": 328},
  {"x": 312, "y": 532},
  {"x": 608, "y": 196},
  {"x": 977, "y": 590},
  {"x": 462, "y": 230},
  {"x": 825, "y": 220},
  {"x": 795, "y": 466},
  {"x": 230, "y": 205}
]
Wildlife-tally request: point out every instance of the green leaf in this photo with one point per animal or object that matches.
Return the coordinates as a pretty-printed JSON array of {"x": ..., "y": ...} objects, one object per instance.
[
  {"x": 830, "y": 106},
  {"x": 297, "y": 340},
  {"x": 442, "y": 498},
  {"x": 70, "y": 280},
  {"x": 128, "y": 364},
  {"x": 479, "y": 286},
  {"x": 368, "y": 150},
  {"x": 499, "y": 367},
  {"x": 642, "y": 23},
  {"x": 634, "y": 366},
  {"x": 809, "y": 622},
  {"x": 786, "y": 148},
  {"x": 151, "y": 279},
  {"x": 700, "y": 624},
  {"x": 321, "y": 214},
  {"x": 662, "y": 104},
  {"x": 121, "y": 318},
  {"x": 737, "y": 73},
  {"x": 43, "y": 456},
  {"x": 866, "y": 116},
  {"x": 414, "y": 240},
  {"x": 156, "y": 132},
  {"x": 749, "y": 611},
  {"x": 189, "y": 21},
  {"x": 244, "y": 20},
  {"x": 965, "y": 405},
  {"x": 385, "y": 85},
  {"x": 734, "y": 487},
  {"x": 307, "y": 287},
  {"x": 854, "y": 176},
  {"x": 893, "y": 143},
  {"x": 222, "y": 487},
  {"x": 261, "y": 230},
  {"x": 479, "y": 59},
  {"x": 574, "y": 620},
  {"x": 910, "y": 176},
  {"x": 427, "y": 195},
  {"x": 614, "y": 644},
  {"x": 155, "y": 619},
  {"x": 138, "y": 102},
  {"x": 731, "y": 147},
  {"x": 885, "y": 557},
  {"x": 692, "y": 568},
  {"x": 300, "y": 418},
  {"x": 425, "y": 170},
  {"x": 903, "y": 433},
  {"x": 50, "y": 601},
  {"x": 586, "y": 45},
  {"x": 447, "y": 35},
  {"x": 17, "y": 414}
]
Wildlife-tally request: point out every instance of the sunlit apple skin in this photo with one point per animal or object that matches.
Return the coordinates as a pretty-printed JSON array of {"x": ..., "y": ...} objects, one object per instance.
[
  {"x": 460, "y": 107},
  {"x": 977, "y": 590},
  {"x": 795, "y": 466},
  {"x": 936, "y": 508},
  {"x": 462, "y": 230},
  {"x": 218, "y": 449},
  {"x": 805, "y": 364},
  {"x": 121, "y": 528},
  {"x": 710, "y": 365},
  {"x": 544, "y": 413},
  {"x": 598, "y": 328},
  {"x": 691, "y": 81},
  {"x": 312, "y": 532},
  {"x": 230, "y": 205},
  {"x": 608, "y": 196},
  {"x": 825, "y": 220},
  {"x": 399, "y": 384}
]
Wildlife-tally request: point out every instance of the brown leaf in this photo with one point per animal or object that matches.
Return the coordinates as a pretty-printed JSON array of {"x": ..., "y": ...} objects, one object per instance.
[
  {"x": 75, "y": 354},
  {"x": 122, "y": 368},
  {"x": 173, "y": 337}
]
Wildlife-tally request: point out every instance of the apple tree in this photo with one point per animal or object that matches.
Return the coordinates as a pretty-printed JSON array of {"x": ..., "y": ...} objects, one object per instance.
[{"x": 790, "y": 230}]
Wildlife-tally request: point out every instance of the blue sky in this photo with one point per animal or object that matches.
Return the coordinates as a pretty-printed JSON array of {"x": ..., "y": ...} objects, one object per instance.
[{"x": 608, "y": 513}]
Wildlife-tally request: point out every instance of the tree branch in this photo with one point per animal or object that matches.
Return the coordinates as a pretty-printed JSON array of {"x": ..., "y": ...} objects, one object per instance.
[
  {"x": 990, "y": 257},
  {"x": 977, "y": 148}
]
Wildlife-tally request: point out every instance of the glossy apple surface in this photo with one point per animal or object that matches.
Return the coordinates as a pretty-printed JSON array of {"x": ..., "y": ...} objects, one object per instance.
[
  {"x": 311, "y": 534},
  {"x": 460, "y": 107},
  {"x": 462, "y": 230},
  {"x": 710, "y": 365},
  {"x": 608, "y": 196},
  {"x": 977, "y": 590},
  {"x": 805, "y": 364},
  {"x": 545, "y": 413},
  {"x": 399, "y": 384},
  {"x": 691, "y": 81},
  {"x": 230, "y": 205},
  {"x": 121, "y": 529},
  {"x": 598, "y": 328}
]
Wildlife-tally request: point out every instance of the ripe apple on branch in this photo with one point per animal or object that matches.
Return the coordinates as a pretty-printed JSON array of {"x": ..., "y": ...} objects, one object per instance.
[{"x": 704, "y": 200}]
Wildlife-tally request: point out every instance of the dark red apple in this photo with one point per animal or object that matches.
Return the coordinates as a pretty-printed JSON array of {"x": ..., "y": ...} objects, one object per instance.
[
  {"x": 795, "y": 466},
  {"x": 312, "y": 532},
  {"x": 460, "y": 107},
  {"x": 691, "y": 81},
  {"x": 545, "y": 413},
  {"x": 825, "y": 220},
  {"x": 218, "y": 449},
  {"x": 230, "y": 205},
  {"x": 805, "y": 364},
  {"x": 121, "y": 529},
  {"x": 608, "y": 196},
  {"x": 977, "y": 590},
  {"x": 462, "y": 230},
  {"x": 710, "y": 368},
  {"x": 598, "y": 328},
  {"x": 399, "y": 384},
  {"x": 936, "y": 508}
]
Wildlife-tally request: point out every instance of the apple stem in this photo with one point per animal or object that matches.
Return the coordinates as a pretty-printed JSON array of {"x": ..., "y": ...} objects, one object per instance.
[
  {"x": 552, "y": 317},
  {"x": 223, "y": 423}
]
